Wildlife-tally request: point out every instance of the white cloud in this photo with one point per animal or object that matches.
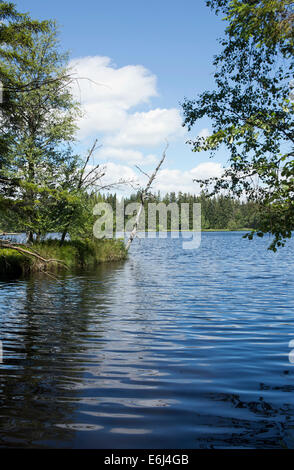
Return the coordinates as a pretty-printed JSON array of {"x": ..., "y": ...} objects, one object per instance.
[
  {"x": 101, "y": 81},
  {"x": 204, "y": 133},
  {"x": 129, "y": 156},
  {"x": 149, "y": 128},
  {"x": 100, "y": 118},
  {"x": 167, "y": 180},
  {"x": 178, "y": 180},
  {"x": 108, "y": 94},
  {"x": 116, "y": 172},
  {"x": 206, "y": 170}
]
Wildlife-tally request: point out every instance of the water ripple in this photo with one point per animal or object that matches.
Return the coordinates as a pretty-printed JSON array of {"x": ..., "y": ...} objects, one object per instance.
[{"x": 171, "y": 349}]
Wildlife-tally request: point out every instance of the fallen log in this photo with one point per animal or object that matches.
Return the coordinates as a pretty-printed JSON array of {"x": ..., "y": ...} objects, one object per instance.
[
  {"x": 5, "y": 234},
  {"x": 28, "y": 253}
]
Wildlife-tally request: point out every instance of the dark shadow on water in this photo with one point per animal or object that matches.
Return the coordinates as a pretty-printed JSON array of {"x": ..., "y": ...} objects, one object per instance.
[{"x": 43, "y": 331}]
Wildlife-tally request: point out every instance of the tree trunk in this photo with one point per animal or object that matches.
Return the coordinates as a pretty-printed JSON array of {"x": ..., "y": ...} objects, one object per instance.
[
  {"x": 143, "y": 197},
  {"x": 64, "y": 233},
  {"x": 30, "y": 237}
]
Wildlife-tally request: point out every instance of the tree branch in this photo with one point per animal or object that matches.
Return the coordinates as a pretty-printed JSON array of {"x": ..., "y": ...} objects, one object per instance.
[
  {"x": 143, "y": 198},
  {"x": 27, "y": 253}
]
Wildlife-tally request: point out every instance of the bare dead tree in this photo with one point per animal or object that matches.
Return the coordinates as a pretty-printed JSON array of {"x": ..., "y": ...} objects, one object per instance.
[
  {"x": 91, "y": 180},
  {"x": 143, "y": 196},
  {"x": 65, "y": 80}
]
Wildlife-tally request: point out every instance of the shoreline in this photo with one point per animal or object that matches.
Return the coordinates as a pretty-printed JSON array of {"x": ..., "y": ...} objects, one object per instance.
[
  {"x": 203, "y": 230},
  {"x": 72, "y": 255}
]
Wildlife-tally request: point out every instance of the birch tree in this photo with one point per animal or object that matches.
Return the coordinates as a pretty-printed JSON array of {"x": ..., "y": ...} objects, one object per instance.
[{"x": 251, "y": 111}]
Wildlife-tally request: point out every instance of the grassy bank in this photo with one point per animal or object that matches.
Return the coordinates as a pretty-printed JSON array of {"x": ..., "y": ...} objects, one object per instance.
[{"x": 75, "y": 254}]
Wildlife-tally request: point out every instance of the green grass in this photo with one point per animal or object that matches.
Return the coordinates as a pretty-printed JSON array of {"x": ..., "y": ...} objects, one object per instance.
[{"x": 75, "y": 254}]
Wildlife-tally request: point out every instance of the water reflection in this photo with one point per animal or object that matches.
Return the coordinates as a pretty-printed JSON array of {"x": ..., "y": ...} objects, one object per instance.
[
  {"x": 170, "y": 349},
  {"x": 45, "y": 329}
]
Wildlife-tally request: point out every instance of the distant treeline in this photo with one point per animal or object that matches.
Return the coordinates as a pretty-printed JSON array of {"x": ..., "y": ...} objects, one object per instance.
[{"x": 217, "y": 213}]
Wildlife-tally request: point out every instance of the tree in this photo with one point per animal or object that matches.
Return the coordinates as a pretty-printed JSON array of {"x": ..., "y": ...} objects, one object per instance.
[
  {"x": 82, "y": 183},
  {"x": 39, "y": 126},
  {"x": 15, "y": 29},
  {"x": 268, "y": 22},
  {"x": 44, "y": 186},
  {"x": 251, "y": 111}
]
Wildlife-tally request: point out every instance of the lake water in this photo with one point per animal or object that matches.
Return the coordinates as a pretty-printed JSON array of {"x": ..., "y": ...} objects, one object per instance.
[{"x": 171, "y": 349}]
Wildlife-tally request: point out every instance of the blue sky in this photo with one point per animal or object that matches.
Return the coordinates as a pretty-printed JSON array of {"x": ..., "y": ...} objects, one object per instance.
[{"x": 146, "y": 57}]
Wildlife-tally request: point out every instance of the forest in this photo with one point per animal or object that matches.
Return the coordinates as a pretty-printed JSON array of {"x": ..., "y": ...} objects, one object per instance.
[{"x": 217, "y": 213}]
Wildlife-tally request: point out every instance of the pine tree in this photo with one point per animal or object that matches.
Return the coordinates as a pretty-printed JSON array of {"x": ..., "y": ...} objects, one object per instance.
[{"x": 39, "y": 127}]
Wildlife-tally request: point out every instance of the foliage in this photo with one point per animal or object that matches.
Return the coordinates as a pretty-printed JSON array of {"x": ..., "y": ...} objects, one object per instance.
[
  {"x": 76, "y": 254},
  {"x": 218, "y": 213},
  {"x": 268, "y": 22},
  {"x": 16, "y": 29},
  {"x": 44, "y": 186},
  {"x": 39, "y": 126},
  {"x": 251, "y": 111}
]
